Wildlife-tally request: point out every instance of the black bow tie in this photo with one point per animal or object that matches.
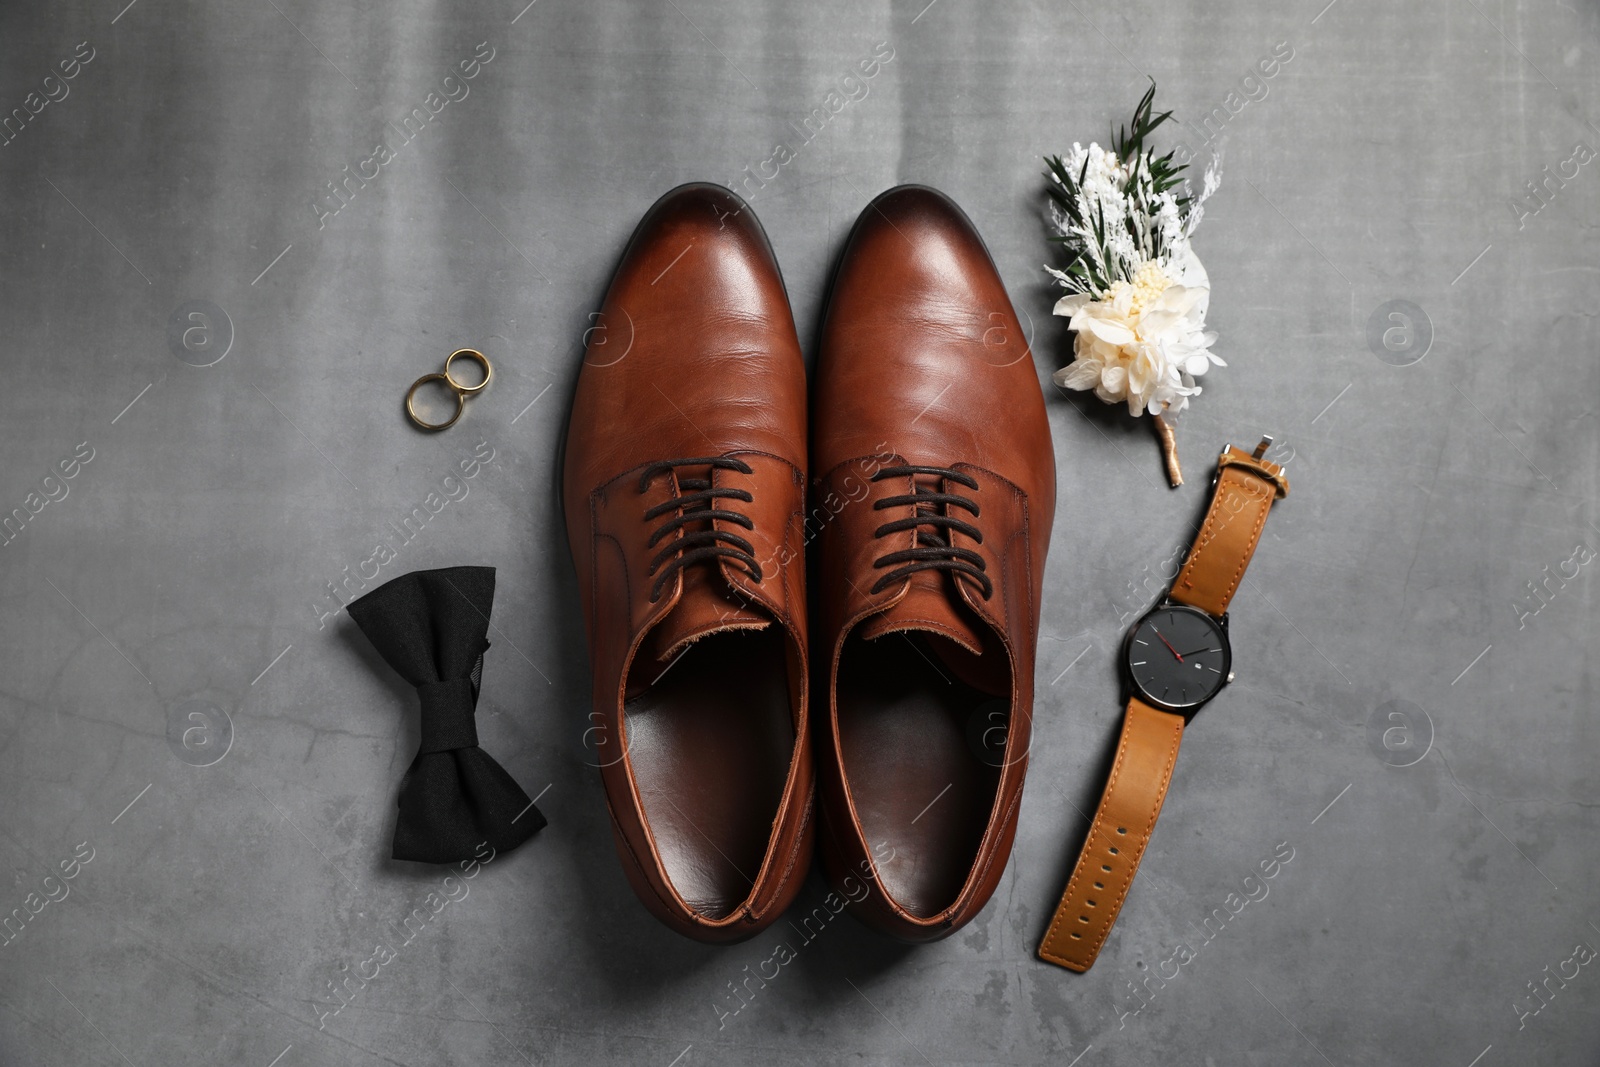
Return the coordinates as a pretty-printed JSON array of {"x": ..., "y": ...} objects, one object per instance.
[{"x": 431, "y": 627}]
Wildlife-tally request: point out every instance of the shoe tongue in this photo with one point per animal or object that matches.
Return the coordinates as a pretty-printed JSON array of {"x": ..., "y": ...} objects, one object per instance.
[
  {"x": 949, "y": 630},
  {"x": 929, "y": 606},
  {"x": 706, "y": 606}
]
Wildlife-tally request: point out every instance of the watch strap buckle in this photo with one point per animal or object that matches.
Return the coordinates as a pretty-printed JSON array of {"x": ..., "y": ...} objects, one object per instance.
[{"x": 1256, "y": 464}]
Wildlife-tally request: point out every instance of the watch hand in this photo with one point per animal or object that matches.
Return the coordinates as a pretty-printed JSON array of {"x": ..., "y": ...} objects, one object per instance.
[
  {"x": 1197, "y": 651},
  {"x": 1164, "y": 641}
]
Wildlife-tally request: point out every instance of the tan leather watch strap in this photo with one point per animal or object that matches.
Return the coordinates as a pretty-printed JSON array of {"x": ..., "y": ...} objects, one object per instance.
[
  {"x": 1117, "y": 837},
  {"x": 1247, "y": 486}
]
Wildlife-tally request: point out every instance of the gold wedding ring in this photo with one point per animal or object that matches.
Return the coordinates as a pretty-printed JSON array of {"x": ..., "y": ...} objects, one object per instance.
[
  {"x": 459, "y": 391},
  {"x": 478, "y": 357}
]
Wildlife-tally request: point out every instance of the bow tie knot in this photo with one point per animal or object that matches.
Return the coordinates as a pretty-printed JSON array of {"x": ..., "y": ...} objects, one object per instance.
[{"x": 448, "y": 715}]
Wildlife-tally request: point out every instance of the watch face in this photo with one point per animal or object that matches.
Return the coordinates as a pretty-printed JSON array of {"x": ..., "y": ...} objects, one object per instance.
[{"x": 1178, "y": 657}]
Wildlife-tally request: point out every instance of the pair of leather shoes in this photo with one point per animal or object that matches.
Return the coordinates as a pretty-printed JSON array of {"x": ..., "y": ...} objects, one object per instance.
[{"x": 926, "y": 515}]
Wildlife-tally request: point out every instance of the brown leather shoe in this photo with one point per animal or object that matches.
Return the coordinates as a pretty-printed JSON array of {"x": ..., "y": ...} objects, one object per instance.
[
  {"x": 683, "y": 490},
  {"x": 934, "y": 497}
]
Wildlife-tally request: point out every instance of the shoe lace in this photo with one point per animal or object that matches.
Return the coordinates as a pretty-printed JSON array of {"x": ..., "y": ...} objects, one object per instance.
[
  {"x": 697, "y": 505},
  {"x": 934, "y": 550}
]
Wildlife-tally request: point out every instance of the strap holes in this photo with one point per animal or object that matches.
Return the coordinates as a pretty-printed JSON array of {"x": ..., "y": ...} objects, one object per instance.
[
  {"x": 1083, "y": 919},
  {"x": 1090, "y": 903},
  {"x": 1099, "y": 885},
  {"x": 1077, "y": 936},
  {"x": 1122, "y": 829},
  {"x": 1113, "y": 851},
  {"x": 1103, "y": 867}
]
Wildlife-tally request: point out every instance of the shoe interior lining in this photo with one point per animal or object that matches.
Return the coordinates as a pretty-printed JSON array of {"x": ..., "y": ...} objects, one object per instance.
[
  {"x": 710, "y": 742},
  {"x": 918, "y": 783}
]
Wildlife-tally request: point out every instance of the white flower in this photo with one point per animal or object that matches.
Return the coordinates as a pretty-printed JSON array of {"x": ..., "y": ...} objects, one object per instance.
[
  {"x": 1144, "y": 342},
  {"x": 1138, "y": 294}
]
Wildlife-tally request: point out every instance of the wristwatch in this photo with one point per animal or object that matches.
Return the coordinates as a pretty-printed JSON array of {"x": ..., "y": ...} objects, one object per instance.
[{"x": 1177, "y": 658}]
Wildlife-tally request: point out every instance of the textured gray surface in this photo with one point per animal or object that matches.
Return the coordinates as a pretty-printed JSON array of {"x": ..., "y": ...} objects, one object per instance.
[{"x": 186, "y": 567}]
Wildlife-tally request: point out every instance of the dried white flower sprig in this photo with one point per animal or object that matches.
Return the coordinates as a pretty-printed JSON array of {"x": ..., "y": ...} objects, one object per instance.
[{"x": 1138, "y": 295}]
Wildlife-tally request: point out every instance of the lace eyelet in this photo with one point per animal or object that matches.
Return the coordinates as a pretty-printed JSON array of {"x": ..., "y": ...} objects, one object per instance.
[
  {"x": 698, "y": 507},
  {"x": 933, "y": 548}
]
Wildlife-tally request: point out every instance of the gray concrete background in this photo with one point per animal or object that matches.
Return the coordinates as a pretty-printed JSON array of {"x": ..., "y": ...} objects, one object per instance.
[{"x": 171, "y": 608}]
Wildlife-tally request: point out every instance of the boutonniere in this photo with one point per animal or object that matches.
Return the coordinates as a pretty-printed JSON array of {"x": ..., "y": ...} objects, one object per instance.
[{"x": 1137, "y": 294}]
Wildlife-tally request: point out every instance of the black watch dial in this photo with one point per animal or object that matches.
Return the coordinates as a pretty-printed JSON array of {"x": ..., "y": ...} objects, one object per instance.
[{"x": 1178, "y": 657}]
